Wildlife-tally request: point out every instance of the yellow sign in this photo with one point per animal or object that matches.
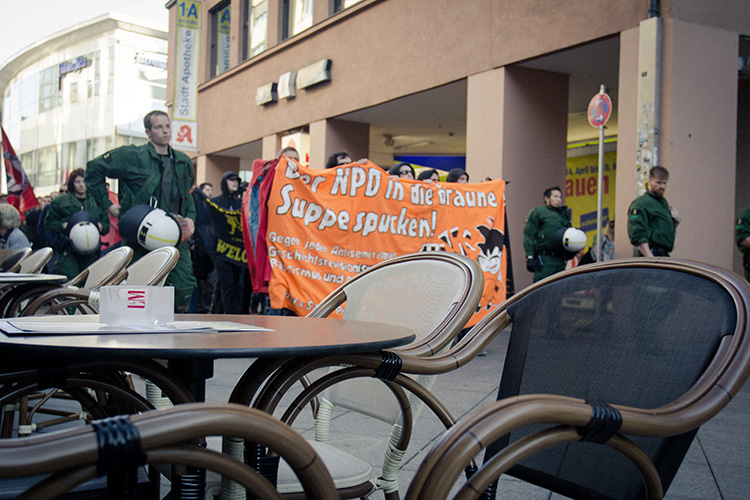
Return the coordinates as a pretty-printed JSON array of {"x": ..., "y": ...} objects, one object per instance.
[{"x": 581, "y": 191}]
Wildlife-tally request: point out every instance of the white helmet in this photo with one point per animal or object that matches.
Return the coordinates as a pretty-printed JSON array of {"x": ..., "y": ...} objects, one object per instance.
[
  {"x": 84, "y": 237},
  {"x": 150, "y": 227},
  {"x": 574, "y": 240}
]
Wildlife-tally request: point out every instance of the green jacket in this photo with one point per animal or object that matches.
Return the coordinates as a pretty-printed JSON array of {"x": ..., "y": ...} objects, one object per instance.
[
  {"x": 650, "y": 221},
  {"x": 541, "y": 224},
  {"x": 63, "y": 207},
  {"x": 742, "y": 228},
  {"x": 138, "y": 169}
]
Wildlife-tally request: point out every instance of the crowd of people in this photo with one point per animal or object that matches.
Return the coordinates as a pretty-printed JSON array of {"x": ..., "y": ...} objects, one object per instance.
[{"x": 155, "y": 174}]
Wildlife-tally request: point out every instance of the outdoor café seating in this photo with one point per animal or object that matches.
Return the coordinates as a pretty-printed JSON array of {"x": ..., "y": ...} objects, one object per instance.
[
  {"x": 610, "y": 370},
  {"x": 434, "y": 294}
]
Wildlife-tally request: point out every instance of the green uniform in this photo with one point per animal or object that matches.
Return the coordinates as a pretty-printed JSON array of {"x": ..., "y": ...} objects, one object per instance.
[
  {"x": 650, "y": 221},
  {"x": 541, "y": 225},
  {"x": 139, "y": 170},
  {"x": 69, "y": 262},
  {"x": 742, "y": 231}
]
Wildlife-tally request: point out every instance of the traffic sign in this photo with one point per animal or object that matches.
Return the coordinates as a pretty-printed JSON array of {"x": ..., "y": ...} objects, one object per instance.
[{"x": 600, "y": 108}]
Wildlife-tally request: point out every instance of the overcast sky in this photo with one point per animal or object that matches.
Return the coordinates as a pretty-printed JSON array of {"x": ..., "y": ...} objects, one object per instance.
[{"x": 24, "y": 22}]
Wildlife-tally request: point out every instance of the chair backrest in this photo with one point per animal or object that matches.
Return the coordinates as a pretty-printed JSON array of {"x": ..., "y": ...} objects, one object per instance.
[
  {"x": 12, "y": 259},
  {"x": 151, "y": 269},
  {"x": 35, "y": 262},
  {"x": 106, "y": 267},
  {"x": 639, "y": 333},
  {"x": 432, "y": 293}
]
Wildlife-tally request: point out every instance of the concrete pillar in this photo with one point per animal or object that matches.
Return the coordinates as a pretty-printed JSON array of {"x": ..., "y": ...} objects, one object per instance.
[
  {"x": 216, "y": 166},
  {"x": 516, "y": 130},
  {"x": 200, "y": 170},
  {"x": 271, "y": 146},
  {"x": 699, "y": 133},
  {"x": 330, "y": 136},
  {"x": 627, "y": 139}
]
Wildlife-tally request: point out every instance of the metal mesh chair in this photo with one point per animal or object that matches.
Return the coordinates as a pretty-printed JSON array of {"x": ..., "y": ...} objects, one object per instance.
[{"x": 610, "y": 370}]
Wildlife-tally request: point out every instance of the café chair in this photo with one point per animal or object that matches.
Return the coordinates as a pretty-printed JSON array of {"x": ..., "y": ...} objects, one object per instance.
[
  {"x": 432, "y": 293},
  {"x": 150, "y": 270},
  {"x": 610, "y": 370},
  {"x": 166, "y": 437},
  {"x": 101, "y": 272},
  {"x": 10, "y": 260},
  {"x": 100, "y": 388},
  {"x": 36, "y": 260}
]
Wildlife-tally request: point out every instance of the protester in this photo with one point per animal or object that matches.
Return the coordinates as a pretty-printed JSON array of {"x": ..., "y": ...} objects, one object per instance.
[
  {"x": 207, "y": 189},
  {"x": 230, "y": 275},
  {"x": 154, "y": 171},
  {"x": 254, "y": 224},
  {"x": 429, "y": 176},
  {"x": 402, "y": 170},
  {"x": 339, "y": 158},
  {"x": 458, "y": 175}
]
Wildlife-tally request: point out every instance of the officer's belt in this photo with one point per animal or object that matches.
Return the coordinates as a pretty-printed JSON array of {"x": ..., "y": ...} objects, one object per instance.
[{"x": 551, "y": 253}]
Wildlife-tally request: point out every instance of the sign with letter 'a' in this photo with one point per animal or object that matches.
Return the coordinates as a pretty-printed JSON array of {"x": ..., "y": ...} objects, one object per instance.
[{"x": 185, "y": 107}]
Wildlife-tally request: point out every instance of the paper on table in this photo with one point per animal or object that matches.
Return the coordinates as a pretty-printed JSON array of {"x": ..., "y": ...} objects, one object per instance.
[{"x": 70, "y": 326}]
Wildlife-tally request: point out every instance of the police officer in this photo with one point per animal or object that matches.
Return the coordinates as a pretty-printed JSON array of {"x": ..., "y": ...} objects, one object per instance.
[
  {"x": 742, "y": 238},
  {"x": 544, "y": 255},
  {"x": 69, "y": 261},
  {"x": 651, "y": 221},
  {"x": 152, "y": 171}
]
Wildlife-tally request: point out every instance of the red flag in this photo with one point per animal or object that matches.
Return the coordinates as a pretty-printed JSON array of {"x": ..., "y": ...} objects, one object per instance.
[{"x": 20, "y": 193}]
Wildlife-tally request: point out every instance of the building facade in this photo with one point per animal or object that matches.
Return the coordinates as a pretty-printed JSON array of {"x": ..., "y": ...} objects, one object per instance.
[
  {"x": 504, "y": 85},
  {"x": 78, "y": 93}
]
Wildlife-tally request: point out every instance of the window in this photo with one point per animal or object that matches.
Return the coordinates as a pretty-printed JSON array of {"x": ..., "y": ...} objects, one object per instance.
[
  {"x": 254, "y": 28},
  {"x": 74, "y": 92},
  {"x": 111, "y": 78},
  {"x": 298, "y": 16},
  {"x": 339, "y": 5},
  {"x": 49, "y": 89},
  {"x": 46, "y": 166},
  {"x": 220, "y": 39}
]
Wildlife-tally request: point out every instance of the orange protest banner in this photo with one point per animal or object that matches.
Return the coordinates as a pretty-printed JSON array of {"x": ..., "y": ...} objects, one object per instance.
[{"x": 325, "y": 226}]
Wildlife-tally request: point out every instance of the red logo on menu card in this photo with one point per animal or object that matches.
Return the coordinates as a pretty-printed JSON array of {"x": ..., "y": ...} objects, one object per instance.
[{"x": 136, "y": 299}]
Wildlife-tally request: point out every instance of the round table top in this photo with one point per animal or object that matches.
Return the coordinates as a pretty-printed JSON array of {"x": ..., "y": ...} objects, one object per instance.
[
  {"x": 31, "y": 278},
  {"x": 290, "y": 336}
]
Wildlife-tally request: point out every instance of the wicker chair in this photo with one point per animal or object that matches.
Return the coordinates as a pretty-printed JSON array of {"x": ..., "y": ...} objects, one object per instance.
[
  {"x": 150, "y": 270},
  {"x": 610, "y": 370},
  {"x": 165, "y": 437},
  {"x": 99, "y": 273},
  {"x": 11, "y": 259},
  {"x": 434, "y": 294}
]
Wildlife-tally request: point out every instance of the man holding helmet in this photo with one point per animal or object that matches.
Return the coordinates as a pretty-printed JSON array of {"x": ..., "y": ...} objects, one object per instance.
[
  {"x": 78, "y": 220},
  {"x": 547, "y": 238},
  {"x": 152, "y": 174}
]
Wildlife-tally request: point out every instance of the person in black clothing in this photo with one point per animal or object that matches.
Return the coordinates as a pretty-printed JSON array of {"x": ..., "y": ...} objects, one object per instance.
[{"x": 230, "y": 277}]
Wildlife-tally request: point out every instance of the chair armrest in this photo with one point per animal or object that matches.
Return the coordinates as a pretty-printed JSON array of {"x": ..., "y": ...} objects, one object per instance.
[{"x": 58, "y": 300}]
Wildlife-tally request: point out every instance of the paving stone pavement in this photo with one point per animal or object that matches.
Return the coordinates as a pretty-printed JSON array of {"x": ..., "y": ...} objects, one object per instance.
[{"x": 717, "y": 466}]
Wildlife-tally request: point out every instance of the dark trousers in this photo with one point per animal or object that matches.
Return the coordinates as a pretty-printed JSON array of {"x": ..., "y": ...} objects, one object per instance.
[{"x": 230, "y": 282}]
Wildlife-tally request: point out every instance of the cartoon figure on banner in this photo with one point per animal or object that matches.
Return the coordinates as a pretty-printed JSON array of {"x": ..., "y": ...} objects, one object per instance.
[{"x": 489, "y": 256}]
